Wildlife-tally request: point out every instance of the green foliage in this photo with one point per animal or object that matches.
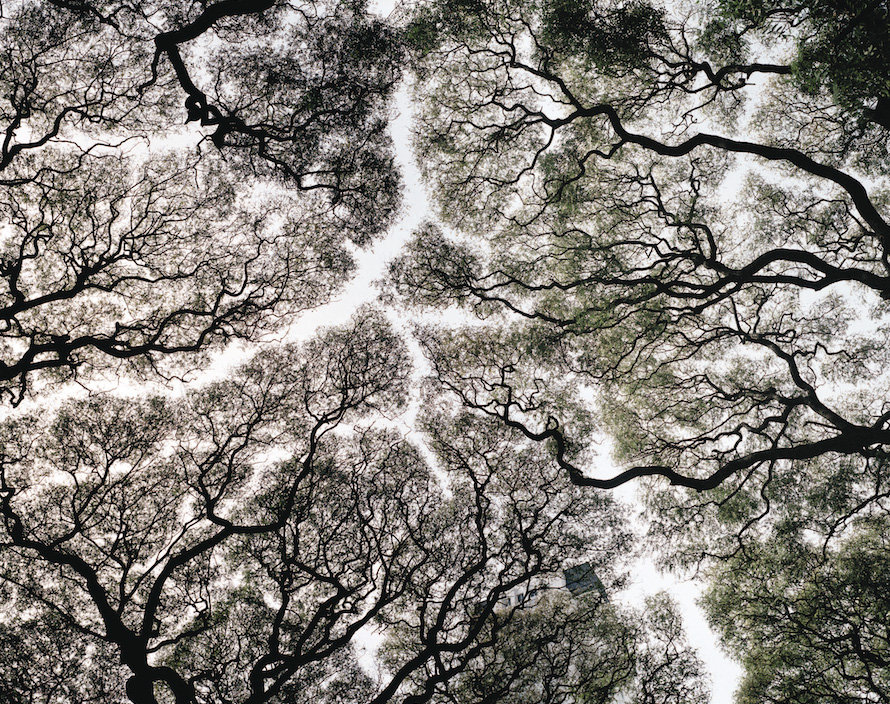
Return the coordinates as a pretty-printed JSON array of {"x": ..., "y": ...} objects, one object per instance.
[
  {"x": 720, "y": 40},
  {"x": 434, "y": 23},
  {"x": 128, "y": 240},
  {"x": 809, "y": 626},
  {"x": 556, "y": 647},
  {"x": 44, "y": 663},
  {"x": 842, "y": 45},
  {"x": 615, "y": 39},
  {"x": 705, "y": 284}
]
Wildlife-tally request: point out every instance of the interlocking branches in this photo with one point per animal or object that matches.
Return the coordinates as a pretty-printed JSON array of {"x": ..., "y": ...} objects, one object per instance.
[
  {"x": 126, "y": 238},
  {"x": 233, "y": 546},
  {"x": 586, "y": 171}
]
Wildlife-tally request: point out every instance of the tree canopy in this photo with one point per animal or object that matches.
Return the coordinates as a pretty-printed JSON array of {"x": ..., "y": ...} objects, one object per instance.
[
  {"x": 665, "y": 224},
  {"x": 809, "y": 626},
  {"x": 127, "y": 237},
  {"x": 562, "y": 647},
  {"x": 228, "y": 547},
  {"x": 673, "y": 221}
]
